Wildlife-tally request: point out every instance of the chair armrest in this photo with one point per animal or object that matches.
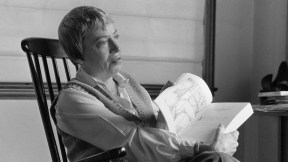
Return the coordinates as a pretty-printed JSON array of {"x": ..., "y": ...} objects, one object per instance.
[{"x": 106, "y": 155}]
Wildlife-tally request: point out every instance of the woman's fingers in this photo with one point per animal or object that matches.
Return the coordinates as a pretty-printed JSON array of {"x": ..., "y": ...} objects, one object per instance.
[
  {"x": 235, "y": 134},
  {"x": 225, "y": 142},
  {"x": 219, "y": 131}
]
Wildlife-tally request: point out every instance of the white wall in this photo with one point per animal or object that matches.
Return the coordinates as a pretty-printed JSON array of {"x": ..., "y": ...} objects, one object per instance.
[
  {"x": 250, "y": 43},
  {"x": 234, "y": 49},
  {"x": 269, "y": 41},
  {"x": 22, "y": 135}
]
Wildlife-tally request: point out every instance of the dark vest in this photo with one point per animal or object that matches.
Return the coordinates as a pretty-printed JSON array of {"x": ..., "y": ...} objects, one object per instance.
[{"x": 77, "y": 148}]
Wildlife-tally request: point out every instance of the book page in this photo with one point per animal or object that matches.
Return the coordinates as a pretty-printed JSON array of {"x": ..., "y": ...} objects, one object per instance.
[
  {"x": 231, "y": 115},
  {"x": 181, "y": 103}
]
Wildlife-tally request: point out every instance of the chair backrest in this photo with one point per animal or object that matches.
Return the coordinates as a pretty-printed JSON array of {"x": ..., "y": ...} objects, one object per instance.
[{"x": 45, "y": 56}]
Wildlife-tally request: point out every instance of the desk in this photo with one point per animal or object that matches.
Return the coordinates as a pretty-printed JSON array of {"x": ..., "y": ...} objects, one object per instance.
[{"x": 264, "y": 138}]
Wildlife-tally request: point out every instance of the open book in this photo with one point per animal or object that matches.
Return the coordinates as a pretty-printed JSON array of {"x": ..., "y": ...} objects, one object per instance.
[{"x": 189, "y": 112}]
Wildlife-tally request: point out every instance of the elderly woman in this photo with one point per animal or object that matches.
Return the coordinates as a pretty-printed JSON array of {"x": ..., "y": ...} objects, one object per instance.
[{"x": 103, "y": 108}]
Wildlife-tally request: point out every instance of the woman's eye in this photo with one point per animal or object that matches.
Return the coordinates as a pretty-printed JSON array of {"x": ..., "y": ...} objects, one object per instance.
[
  {"x": 116, "y": 36},
  {"x": 101, "y": 43}
]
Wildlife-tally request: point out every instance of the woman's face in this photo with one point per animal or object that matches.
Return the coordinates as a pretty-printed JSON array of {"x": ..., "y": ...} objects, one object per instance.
[{"x": 102, "y": 57}]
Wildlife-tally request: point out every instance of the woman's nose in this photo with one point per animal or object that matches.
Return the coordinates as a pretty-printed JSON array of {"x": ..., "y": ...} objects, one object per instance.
[{"x": 113, "y": 46}]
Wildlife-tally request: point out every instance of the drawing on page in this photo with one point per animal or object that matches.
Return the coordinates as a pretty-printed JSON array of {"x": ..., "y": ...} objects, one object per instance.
[{"x": 184, "y": 103}]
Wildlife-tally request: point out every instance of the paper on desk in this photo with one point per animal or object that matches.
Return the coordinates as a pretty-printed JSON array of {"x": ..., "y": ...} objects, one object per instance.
[{"x": 271, "y": 108}]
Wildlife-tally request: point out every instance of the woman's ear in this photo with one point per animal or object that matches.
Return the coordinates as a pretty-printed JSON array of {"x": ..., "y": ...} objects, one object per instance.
[{"x": 78, "y": 61}]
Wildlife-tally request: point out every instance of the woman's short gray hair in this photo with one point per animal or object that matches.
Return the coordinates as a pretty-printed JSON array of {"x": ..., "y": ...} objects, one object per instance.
[{"x": 75, "y": 25}]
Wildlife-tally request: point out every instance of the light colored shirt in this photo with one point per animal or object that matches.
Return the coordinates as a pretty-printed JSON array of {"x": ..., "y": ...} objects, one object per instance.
[
  {"x": 124, "y": 98},
  {"x": 82, "y": 115}
]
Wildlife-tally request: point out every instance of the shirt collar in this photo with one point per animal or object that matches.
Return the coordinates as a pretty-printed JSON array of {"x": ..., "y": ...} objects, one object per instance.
[{"x": 84, "y": 77}]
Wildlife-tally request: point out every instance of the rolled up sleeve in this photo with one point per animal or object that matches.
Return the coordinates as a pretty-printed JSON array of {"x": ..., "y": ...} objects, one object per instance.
[{"x": 83, "y": 116}]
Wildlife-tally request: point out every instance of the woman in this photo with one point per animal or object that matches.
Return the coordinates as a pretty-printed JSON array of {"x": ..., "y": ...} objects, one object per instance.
[{"x": 103, "y": 108}]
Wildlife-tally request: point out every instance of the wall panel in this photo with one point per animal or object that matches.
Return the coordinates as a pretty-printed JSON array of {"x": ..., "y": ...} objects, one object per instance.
[
  {"x": 151, "y": 33},
  {"x": 187, "y": 9},
  {"x": 159, "y": 72},
  {"x": 160, "y": 37}
]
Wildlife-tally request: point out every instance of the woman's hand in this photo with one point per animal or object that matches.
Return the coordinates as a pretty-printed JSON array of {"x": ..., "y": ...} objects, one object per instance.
[{"x": 225, "y": 142}]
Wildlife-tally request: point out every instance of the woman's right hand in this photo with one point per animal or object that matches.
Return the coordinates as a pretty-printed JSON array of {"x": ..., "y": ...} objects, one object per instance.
[{"x": 225, "y": 142}]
